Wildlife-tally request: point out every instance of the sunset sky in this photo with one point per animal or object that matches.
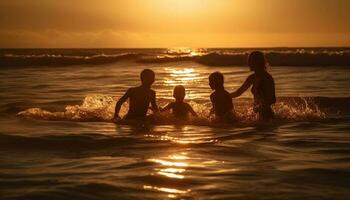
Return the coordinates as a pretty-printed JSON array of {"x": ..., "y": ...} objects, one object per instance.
[{"x": 174, "y": 23}]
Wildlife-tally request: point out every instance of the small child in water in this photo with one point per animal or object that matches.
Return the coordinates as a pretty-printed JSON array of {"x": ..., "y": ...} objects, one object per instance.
[
  {"x": 179, "y": 108},
  {"x": 220, "y": 99}
]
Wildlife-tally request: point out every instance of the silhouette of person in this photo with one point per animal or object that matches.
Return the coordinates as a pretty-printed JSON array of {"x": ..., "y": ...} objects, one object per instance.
[
  {"x": 263, "y": 86},
  {"x": 139, "y": 98},
  {"x": 179, "y": 108},
  {"x": 220, "y": 99}
]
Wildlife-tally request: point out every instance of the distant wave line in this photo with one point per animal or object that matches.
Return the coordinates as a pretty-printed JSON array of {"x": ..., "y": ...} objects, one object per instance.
[{"x": 289, "y": 58}]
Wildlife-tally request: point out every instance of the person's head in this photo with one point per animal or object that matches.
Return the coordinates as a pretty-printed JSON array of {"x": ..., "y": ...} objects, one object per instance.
[
  {"x": 179, "y": 92},
  {"x": 147, "y": 77},
  {"x": 257, "y": 61},
  {"x": 216, "y": 80}
]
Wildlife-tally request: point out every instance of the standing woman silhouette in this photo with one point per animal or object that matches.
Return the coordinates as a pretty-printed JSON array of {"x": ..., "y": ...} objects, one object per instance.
[{"x": 263, "y": 86}]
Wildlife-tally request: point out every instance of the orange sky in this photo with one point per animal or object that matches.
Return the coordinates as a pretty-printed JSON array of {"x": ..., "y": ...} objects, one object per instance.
[{"x": 174, "y": 23}]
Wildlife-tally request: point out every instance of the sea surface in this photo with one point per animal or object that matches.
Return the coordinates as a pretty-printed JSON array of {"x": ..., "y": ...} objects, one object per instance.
[{"x": 57, "y": 139}]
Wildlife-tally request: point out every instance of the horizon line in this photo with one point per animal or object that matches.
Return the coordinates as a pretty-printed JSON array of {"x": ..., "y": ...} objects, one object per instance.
[{"x": 272, "y": 47}]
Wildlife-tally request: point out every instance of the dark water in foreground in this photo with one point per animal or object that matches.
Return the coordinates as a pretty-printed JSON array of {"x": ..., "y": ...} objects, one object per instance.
[
  {"x": 103, "y": 161},
  {"x": 63, "y": 146}
]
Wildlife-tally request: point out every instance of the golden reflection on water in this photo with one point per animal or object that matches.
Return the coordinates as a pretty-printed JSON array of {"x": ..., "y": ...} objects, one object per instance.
[
  {"x": 169, "y": 163},
  {"x": 181, "y": 76},
  {"x": 186, "y": 51},
  {"x": 179, "y": 140},
  {"x": 188, "y": 137},
  {"x": 189, "y": 77},
  {"x": 171, "y": 174},
  {"x": 177, "y": 166},
  {"x": 171, "y": 191},
  {"x": 173, "y": 167}
]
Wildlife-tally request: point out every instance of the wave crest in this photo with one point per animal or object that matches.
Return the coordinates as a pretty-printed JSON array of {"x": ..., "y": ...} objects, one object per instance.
[
  {"x": 9, "y": 60},
  {"x": 209, "y": 57}
]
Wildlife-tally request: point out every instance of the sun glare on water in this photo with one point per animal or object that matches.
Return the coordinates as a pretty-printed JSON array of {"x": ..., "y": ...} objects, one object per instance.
[{"x": 181, "y": 76}]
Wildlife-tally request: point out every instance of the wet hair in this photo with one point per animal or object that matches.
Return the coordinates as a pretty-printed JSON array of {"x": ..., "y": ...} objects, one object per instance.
[
  {"x": 216, "y": 80},
  {"x": 257, "y": 61},
  {"x": 179, "y": 92},
  {"x": 147, "y": 77}
]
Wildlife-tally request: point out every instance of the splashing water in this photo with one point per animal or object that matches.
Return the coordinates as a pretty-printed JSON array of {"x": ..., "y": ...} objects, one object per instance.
[
  {"x": 101, "y": 108},
  {"x": 94, "y": 108},
  {"x": 304, "y": 111}
]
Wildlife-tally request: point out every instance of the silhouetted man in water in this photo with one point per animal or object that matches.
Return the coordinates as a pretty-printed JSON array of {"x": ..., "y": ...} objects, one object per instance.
[{"x": 139, "y": 98}]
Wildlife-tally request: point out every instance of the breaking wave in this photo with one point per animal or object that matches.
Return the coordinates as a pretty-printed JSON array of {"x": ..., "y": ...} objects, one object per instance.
[
  {"x": 10, "y": 60},
  {"x": 209, "y": 57}
]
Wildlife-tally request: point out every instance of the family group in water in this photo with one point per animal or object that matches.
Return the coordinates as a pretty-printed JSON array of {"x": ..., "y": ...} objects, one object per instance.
[{"x": 261, "y": 83}]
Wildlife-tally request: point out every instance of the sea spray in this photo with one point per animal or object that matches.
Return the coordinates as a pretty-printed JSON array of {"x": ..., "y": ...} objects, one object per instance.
[{"x": 99, "y": 108}]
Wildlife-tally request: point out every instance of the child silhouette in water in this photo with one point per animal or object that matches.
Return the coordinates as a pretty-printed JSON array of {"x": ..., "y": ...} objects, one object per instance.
[
  {"x": 220, "y": 99},
  {"x": 179, "y": 108},
  {"x": 139, "y": 98}
]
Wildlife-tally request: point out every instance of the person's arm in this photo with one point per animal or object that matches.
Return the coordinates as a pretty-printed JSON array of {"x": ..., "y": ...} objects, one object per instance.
[
  {"x": 247, "y": 83},
  {"x": 120, "y": 103},
  {"x": 192, "y": 111},
  {"x": 167, "y": 107},
  {"x": 154, "y": 103},
  {"x": 212, "y": 110}
]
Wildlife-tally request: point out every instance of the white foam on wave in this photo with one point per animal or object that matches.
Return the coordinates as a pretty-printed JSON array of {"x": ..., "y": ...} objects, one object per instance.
[
  {"x": 209, "y": 57},
  {"x": 101, "y": 108}
]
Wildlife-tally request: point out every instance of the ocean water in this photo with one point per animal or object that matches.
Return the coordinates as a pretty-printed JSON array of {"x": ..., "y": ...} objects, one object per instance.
[{"x": 57, "y": 140}]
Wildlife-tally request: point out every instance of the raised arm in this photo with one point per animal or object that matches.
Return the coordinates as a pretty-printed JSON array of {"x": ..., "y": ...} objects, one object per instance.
[
  {"x": 167, "y": 107},
  {"x": 247, "y": 83},
  {"x": 154, "y": 103},
  {"x": 120, "y": 103},
  {"x": 192, "y": 111}
]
